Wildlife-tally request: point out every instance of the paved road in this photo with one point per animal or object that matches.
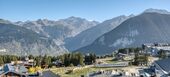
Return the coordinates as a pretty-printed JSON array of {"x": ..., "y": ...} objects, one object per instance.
[{"x": 49, "y": 74}]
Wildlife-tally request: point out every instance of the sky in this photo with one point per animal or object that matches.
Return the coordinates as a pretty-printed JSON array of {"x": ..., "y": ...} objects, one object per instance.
[{"x": 98, "y": 10}]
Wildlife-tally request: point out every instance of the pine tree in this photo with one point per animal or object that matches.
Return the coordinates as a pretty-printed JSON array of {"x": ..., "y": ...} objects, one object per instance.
[
  {"x": 81, "y": 59},
  {"x": 1, "y": 60},
  {"x": 31, "y": 57},
  {"x": 38, "y": 61},
  {"x": 46, "y": 60}
]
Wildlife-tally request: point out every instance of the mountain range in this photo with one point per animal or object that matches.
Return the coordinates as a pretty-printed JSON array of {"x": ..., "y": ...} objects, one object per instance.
[
  {"x": 52, "y": 37},
  {"x": 46, "y": 36},
  {"x": 58, "y": 30}
]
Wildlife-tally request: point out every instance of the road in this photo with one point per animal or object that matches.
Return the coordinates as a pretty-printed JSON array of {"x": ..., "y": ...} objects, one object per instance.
[{"x": 49, "y": 74}]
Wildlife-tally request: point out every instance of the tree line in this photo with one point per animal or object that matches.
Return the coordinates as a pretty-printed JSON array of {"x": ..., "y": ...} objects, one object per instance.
[
  {"x": 8, "y": 58},
  {"x": 74, "y": 59},
  {"x": 69, "y": 59}
]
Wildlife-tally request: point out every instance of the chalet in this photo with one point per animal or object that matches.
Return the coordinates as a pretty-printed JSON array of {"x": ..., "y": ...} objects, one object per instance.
[
  {"x": 13, "y": 71},
  {"x": 123, "y": 56},
  {"x": 27, "y": 62}
]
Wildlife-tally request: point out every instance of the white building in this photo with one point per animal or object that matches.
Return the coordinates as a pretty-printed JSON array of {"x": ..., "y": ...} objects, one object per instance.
[
  {"x": 3, "y": 50},
  {"x": 154, "y": 49}
]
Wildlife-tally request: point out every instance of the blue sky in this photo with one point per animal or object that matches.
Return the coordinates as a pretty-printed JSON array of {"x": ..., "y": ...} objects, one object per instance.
[{"x": 99, "y": 10}]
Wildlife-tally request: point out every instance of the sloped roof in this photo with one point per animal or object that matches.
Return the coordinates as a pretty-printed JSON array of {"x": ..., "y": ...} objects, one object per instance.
[
  {"x": 1, "y": 72},
  {"x": 13, "y": 72},
  {"x": 164, "y": 64},
  {"x": 11, "y": 68},
  {"x": 22, "y": 69},
  {"x": 8, "y": 67}
]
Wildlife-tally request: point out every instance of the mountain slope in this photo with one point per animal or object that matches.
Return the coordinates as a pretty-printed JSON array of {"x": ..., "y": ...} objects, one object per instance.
[
  {"x": 20, "y": 41},
  {"x": 145, "y": 28},
  {"x": 160, "y": 11},
  {"x": 88, "y": 36}
]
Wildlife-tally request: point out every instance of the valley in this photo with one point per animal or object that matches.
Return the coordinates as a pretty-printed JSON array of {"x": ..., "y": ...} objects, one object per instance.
[{"x": 84, "y": 38}]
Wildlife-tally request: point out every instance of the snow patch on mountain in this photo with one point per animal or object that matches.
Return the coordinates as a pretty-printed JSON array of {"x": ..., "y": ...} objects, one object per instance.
[
  {"x": 101, "y": 40},
  {"x": 133, "y": 33},
  {"x": 122, "y": 42}
]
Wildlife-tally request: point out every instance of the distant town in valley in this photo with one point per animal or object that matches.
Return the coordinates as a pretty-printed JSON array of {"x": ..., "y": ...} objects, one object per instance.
[{"x": 85, "y": 38}]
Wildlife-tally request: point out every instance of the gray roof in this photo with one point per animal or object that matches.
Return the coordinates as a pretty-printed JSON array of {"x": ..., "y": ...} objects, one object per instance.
[
  {"x": 22, "y": 69},
  {"x": 1, "y": 72},
  {"x": 12, "y": 72},
  {"x": 8, "y": 67},
  {"x": 164, "y": 64},
  {"x": 11, "y": 68}
]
